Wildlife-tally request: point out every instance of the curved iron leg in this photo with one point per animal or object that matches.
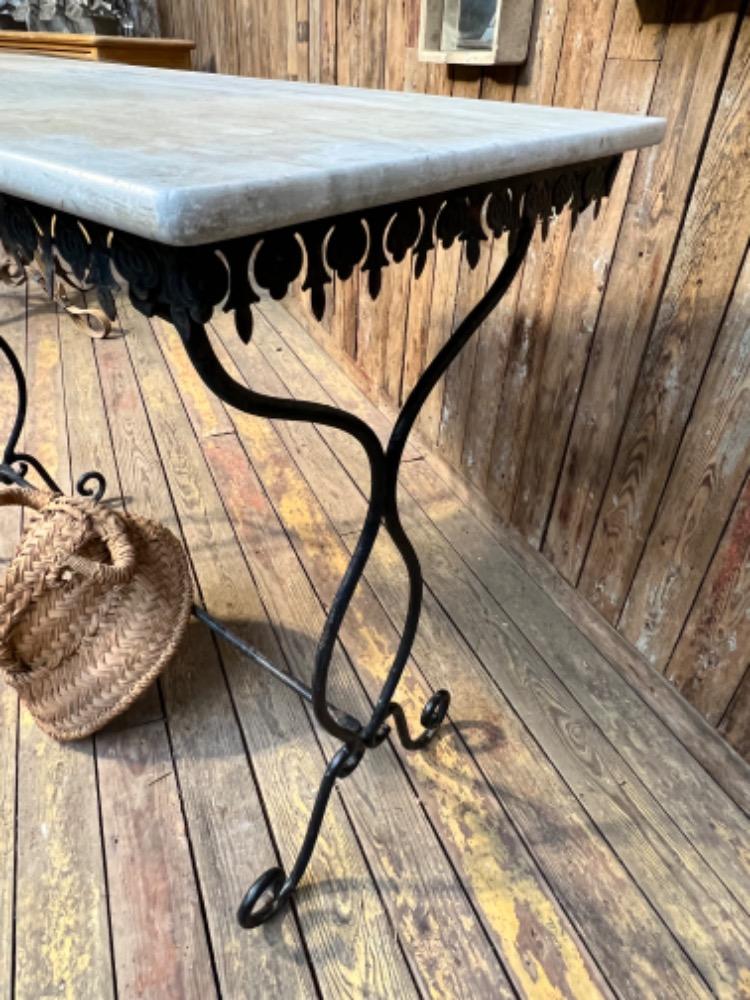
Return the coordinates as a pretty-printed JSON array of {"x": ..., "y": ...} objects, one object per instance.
[
  {"x": 394, "y": 454},
  {"x": 274, "y": 880},
  {"x": 11, "y": 457},
  {"x": 382, "y": 511},
  {"x": 217, "y": 379}
]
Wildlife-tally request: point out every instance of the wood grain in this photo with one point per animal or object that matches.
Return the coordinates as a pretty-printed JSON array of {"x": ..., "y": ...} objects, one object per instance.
[
  {"x": 428, "y": 548},
  {"x": 711, "y": 659},
  {"x": 13, "y": 329},
  {"x": 472, "y": 391},
  {"x": 135, "y": 764},
  {"x": 703, "y": 486},
  {"x": 689, "y": 73},
  {"x": 576, "y": 83},
  {"x": 704, "y": 744},
  {"x": 490, "y": 360},
  {"x": 639, "y": 29},
  {"x": 420, "y": 341},
  {"x": 60, "y": 871},
  {"x": 445, "y": 310},
  {"x": 708, "y": 256},
  {"x": 268, "y": 714},
  {"x": 144, "y": 833},
  {"x": 734, "y": 723},
  {"x": 457, "y": 398},
  {"x": 229, "y": 836},
  {"x": 719, "y": 832},
  {"x": 527, "y": 346},
  {"x": 626, "y": 87}
]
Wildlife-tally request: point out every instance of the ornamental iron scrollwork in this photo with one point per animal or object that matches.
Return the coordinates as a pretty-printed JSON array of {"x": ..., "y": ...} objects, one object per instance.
[{"x": 186, "y": 284}]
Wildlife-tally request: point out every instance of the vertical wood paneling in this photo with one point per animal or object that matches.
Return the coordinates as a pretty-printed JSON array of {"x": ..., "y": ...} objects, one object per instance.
[
  {"x": 602, "y": 403},
  {"x": 457, "y": 395},
  {"x": 709, "y": 253},
  {"x": 575, "y": 81},
  {"x": 632, "y": 38},
  {"x": 703, "y": 485},
  {"x": 492, "y": 345},
  {"x": 712, "y": 655},
  {"x": 626, "y": 87},
  {"x": 688, "y": 76}
]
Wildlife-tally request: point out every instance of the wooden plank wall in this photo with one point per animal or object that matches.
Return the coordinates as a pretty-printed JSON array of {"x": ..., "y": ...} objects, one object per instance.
[{"x": 604, "y": 411}]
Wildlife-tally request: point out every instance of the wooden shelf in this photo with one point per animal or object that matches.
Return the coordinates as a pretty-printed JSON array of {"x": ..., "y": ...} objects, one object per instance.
[{"x": 166, "y": 53}]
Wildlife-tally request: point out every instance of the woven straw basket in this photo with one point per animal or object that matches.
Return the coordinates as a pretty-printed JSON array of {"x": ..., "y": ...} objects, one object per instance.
[{"x": 93, "y": 605}]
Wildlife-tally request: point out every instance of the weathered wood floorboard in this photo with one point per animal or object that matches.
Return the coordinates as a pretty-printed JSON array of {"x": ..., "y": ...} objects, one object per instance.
[
  {"x": 62, "y": 932},
  {"x": 368, "y": 953},
  {"x": 549, "y": 700},
  {"x": 546, "y": 846},
  {"x": 228, "y": 831},
  {"x": 13, "y": 329},
  {"x": 142, "y": 822},
  {"x": 535, "y": 793}
]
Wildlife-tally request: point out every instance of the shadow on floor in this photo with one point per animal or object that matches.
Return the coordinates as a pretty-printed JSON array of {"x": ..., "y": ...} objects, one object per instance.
[{"x": 203, "y": 692}]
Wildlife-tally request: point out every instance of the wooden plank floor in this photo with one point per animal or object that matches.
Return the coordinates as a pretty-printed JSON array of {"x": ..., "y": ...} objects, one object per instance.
[{"x": 576, "y": 831}]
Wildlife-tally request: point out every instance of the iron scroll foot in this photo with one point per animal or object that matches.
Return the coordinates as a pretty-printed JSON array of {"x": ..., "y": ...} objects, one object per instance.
[
  {"x": 274, "y": 881},
  {"x": 432, "y": 717}
]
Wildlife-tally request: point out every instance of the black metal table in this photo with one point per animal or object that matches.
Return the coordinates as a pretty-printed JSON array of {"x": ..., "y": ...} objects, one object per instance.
[
  {"x": 220, "y": 190},
  {"x": 184, "y": 285}
]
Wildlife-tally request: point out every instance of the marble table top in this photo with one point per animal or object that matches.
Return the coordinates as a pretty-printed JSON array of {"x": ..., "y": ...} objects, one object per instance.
[{"x": 189, "y": 158}]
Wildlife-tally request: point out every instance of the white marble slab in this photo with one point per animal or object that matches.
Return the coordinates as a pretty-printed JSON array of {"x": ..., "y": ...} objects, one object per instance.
[{"x": 188, "y": 158}]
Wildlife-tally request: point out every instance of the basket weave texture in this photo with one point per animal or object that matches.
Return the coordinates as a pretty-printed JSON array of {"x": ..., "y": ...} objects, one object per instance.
[{"x": 93, "y": 605}]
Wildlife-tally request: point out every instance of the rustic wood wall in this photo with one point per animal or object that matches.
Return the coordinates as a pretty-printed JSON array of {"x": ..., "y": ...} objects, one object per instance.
[{"x": 605, "y": 409}]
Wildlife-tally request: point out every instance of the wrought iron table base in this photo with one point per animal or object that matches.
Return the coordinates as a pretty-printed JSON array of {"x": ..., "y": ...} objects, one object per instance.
[
  {"x": 382, "y": 512},
  {"x": 184, "y": 285}
]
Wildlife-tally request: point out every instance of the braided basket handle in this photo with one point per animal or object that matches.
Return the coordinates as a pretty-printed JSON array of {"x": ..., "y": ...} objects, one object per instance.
[
  {"x": 21, "y": 496},
  {"x": 106, "y": 525},
  {"x": 22, "y": 585}
]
